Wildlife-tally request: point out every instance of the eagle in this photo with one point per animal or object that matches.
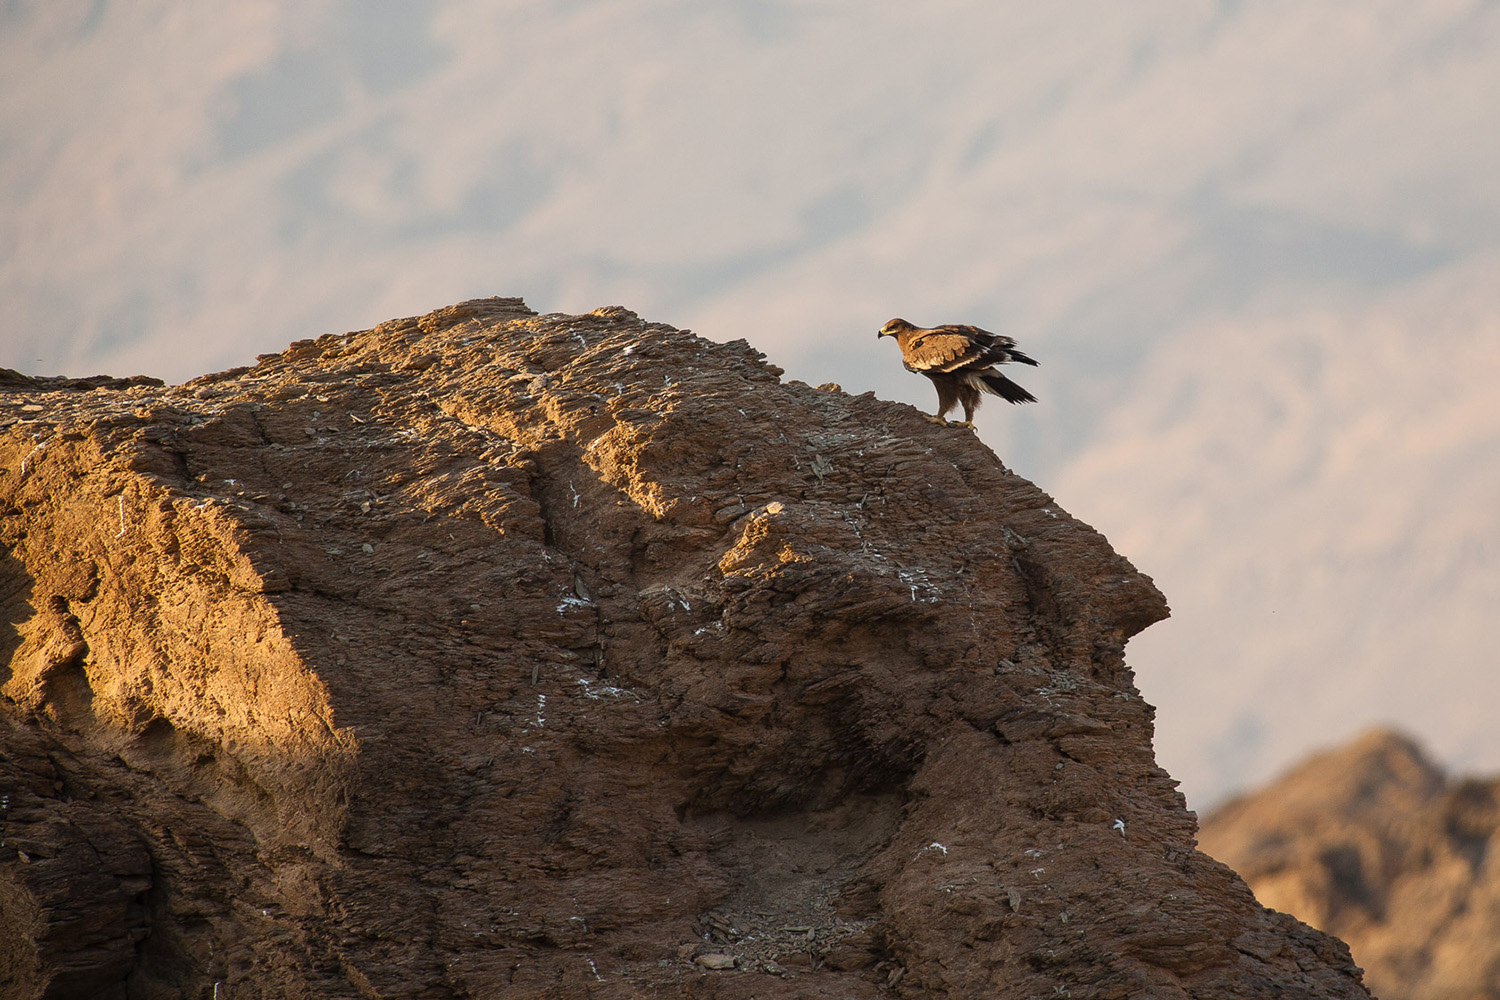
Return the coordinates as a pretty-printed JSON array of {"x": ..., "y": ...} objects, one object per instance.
[{"x": 961, "y": 362}]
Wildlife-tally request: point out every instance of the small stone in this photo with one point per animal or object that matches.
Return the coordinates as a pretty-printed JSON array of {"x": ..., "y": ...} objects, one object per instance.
[
  {"x": 846, "y": 959},
  {"x": 714, "y": 960},
  {"x": 726, "y": 514},
  {"x": 420, "y": 362}
]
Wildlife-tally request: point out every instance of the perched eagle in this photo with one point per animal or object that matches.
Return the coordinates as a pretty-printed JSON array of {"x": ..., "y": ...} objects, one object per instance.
[{"x": 961, "y": 362}]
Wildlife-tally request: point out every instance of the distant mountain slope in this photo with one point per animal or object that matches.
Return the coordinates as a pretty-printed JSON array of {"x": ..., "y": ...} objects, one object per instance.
[{"x": 1374, "y": 843}]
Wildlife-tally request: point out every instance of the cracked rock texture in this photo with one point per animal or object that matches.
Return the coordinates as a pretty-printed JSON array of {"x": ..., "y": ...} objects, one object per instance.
[
  {"x": 1373, "y": 842},
  {"x": 488, "y": 654}
]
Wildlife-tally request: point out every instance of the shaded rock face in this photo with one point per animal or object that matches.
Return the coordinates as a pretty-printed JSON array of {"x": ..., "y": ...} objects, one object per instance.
[
  {"x": 1374, "y": 843},
  {"x": 489, "y": 654}
]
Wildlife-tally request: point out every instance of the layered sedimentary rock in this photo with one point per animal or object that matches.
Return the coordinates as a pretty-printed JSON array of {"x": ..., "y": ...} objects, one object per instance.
[
  {"x": 489, "y": 654},
  {"x": 1373, "y": 842}
]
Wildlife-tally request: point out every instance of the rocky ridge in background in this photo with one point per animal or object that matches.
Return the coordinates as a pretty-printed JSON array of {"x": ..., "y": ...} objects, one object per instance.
[
  {"x": 1374, "y": 843},
  {"x": 489, "y": 654}
]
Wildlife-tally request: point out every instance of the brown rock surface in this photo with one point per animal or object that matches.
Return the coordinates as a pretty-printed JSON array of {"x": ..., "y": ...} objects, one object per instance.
[
  {"x": 1375, "y": 844},
  {"x": 489, "y": 654}
]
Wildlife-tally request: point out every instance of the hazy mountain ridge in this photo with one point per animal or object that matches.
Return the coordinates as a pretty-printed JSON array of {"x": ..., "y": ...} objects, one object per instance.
[
  {"x": 1373, "y": 842},
  {"x": 1343, "y": 467}
]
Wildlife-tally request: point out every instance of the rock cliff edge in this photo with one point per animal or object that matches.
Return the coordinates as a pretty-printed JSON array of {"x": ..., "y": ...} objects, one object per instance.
[{"x": 489, "y": 654}]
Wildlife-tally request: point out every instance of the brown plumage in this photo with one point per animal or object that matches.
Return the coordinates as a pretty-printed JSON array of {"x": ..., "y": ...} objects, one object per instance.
[{"x": 961, "y": 362}]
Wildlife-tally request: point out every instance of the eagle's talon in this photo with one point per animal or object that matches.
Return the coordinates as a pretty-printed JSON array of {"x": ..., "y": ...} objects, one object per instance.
[{"x": 935, "y": 420}]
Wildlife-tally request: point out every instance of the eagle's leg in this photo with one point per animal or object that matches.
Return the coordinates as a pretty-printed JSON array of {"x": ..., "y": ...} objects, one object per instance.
[
  {"x": 968, "y": 397},
  {"x": 947, "y": 399}
]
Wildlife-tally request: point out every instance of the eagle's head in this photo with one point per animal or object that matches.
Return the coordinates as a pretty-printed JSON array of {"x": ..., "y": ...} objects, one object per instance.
[{"x": 894, "y": 327}]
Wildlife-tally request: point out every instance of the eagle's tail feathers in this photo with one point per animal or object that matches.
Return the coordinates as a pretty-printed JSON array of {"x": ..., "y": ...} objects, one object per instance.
[{"x": 994, "y": 382}]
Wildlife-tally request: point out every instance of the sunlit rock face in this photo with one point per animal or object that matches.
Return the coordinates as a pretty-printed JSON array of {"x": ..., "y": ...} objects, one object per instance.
[{"x": 494, "y": 654}]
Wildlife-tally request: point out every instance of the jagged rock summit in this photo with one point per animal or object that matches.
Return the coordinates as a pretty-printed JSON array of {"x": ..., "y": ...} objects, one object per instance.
[{"x": 489, "y": 654}]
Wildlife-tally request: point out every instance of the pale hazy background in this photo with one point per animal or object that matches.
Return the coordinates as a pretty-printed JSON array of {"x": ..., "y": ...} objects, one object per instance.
[{"x": 1255, "y": 245}]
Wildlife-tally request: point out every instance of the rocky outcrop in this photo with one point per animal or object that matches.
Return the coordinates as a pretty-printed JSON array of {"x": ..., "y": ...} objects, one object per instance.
[
  {"x": 1374, "y": 843},
  {"x": 489, "y": 654}
]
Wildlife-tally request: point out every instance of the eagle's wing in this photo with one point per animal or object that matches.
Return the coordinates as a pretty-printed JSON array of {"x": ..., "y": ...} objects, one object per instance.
[
  {"x": 944, "y": 349},
  {"x": 988, "y": 348}
]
